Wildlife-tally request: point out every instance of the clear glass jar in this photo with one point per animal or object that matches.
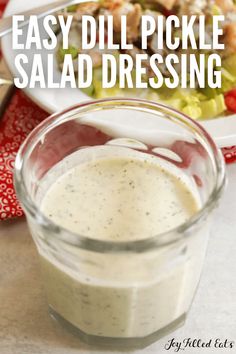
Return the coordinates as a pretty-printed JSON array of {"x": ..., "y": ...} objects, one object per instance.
[{"x": 120, "y": 293}]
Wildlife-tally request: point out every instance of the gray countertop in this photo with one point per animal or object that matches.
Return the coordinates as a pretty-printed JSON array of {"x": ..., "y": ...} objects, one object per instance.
[{"x": 26, "y": 328}]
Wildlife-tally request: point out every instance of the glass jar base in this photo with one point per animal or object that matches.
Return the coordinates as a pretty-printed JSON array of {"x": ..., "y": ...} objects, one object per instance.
[{"x": 114, "y": 343}]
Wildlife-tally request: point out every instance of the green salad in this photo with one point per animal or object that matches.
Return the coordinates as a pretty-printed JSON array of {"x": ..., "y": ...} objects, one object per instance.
[{"x": 197, "y": 103}]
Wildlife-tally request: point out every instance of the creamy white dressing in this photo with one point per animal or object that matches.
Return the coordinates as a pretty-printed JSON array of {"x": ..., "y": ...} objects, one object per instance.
[{"x": 121, "y": 198}]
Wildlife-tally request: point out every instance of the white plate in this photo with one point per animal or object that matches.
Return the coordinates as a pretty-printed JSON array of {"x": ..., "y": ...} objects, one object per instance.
[{"x": 223, "y": 130}]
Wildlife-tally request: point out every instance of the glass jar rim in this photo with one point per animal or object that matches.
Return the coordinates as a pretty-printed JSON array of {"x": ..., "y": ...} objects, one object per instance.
[{"x": 102, "y": 246}]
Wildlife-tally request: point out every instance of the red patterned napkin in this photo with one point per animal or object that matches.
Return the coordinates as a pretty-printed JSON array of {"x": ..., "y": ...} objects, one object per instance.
[{"x": 21, "y": 116}]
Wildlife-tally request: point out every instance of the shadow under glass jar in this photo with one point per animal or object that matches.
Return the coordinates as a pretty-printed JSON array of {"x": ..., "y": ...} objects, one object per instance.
[{"x": 126, "y": 293}]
